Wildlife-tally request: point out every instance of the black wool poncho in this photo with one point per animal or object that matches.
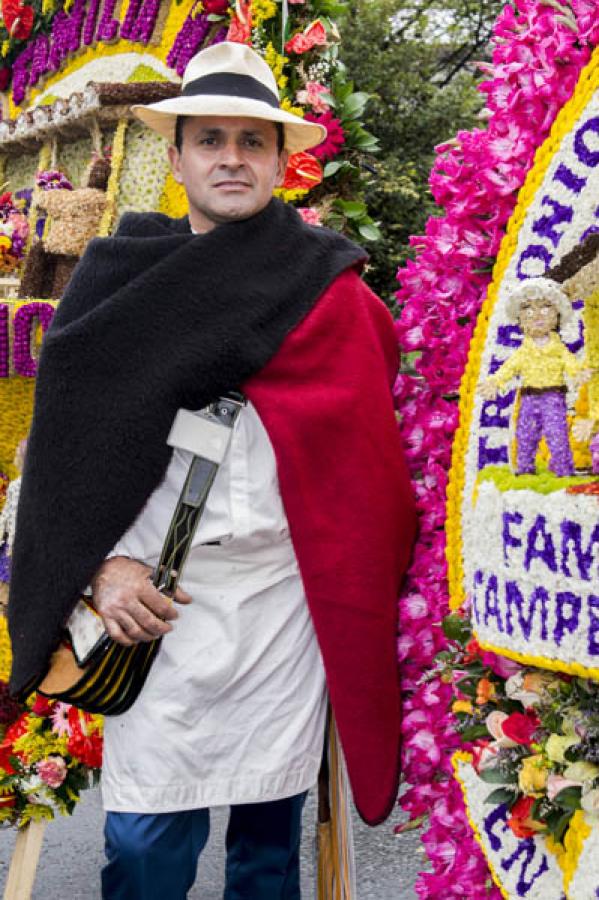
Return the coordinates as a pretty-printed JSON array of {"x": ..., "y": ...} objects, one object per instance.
[{"x": 154, "y": 318}]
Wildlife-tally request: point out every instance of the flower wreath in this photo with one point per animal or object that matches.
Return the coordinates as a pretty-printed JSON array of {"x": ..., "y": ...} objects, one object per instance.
[{"x": 540, "y": 49}]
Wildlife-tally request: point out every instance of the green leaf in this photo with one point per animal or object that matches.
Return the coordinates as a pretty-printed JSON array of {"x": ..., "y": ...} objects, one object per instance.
[
  {"x": 413, "y": 825},
  {"x": 557, "y": 824},
  {"x": 456, "y": 628},
  {"x": 354, "y": 106},
  {"x": 370, "y": 233},
  {"x": 352, "y": 209},
  {"x": 495, "y": 776},
  {"x": 213, "y": 17},
  {"x": 366, "y": 141},
  {"x": 501, "y": 795},
  {"x": 569, "y": 798},
  {"x": 474, "y": 732},
  {"x": 332, "y": 168}
]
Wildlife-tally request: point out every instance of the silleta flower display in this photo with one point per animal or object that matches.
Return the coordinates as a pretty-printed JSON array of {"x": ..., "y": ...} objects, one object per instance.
[{"x": 529, "y": 586}]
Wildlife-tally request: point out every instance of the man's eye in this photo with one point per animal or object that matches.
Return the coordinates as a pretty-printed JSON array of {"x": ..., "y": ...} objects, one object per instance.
[{"x": 253, "y": 142}]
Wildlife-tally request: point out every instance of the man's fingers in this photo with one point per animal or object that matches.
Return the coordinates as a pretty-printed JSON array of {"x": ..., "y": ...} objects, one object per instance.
[
  {"x": 114, "y": 631},
  {"x": 158, "y": 603},
  {"x": 142, "y": 625},
  {"x": 182, "y": 596},
  {"x": 147, "y": 625}
]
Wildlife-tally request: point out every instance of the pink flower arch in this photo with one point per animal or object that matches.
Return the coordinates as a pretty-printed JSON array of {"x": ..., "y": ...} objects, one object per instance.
[{"x": 539, "y": 50}]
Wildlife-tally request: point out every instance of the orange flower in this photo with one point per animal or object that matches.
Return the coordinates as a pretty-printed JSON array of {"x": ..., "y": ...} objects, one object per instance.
[
  {"x": 472, "y": 651},
  {"x": 303, "y": 172},
  {"x": 240, "y": 29},
  {"x": 313, "y": 36},
  {"x": 520, "y": 820},
  {"x": 485, "y": 691}
]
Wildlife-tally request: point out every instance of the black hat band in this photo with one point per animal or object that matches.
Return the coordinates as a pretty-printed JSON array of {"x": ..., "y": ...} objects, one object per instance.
[{"x": 231, "y": 84}]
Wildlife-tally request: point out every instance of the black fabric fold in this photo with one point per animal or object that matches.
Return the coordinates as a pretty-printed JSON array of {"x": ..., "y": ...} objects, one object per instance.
[{"x": 154, "y": 318}]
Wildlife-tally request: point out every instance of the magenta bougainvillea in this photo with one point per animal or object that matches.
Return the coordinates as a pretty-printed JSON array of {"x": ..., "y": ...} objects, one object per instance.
[{"x": 539, "y": 50}]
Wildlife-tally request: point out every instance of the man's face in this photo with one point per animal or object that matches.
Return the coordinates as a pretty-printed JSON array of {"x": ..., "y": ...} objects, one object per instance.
[{"x": 228, "y": 166}]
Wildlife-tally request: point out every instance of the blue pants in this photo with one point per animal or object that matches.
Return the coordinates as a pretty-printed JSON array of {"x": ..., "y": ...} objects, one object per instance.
[{"x": 155, "y": 857}]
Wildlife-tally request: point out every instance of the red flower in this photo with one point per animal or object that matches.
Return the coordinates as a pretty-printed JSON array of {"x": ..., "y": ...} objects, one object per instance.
[
  {"x": 215, "y": 7},
  {"x": 472, "y": 651},
  {"x": 42, "y": 706},
  {"x": 314, "y": 36},
  {"x": 303, "y": 171},
  {"x": 17, "y": 729},
  {"x": 520, "y": 820},
  {"x": 520, "y": 727},
  {"x": 7, "y": 800},
  {"x": 6, "y": 751},
  {"x": 87, "y": 748},
  {"x": 240, "y": 29},
  {"x": 17, "y": 19},
  {"x": 5, "y": 76}
]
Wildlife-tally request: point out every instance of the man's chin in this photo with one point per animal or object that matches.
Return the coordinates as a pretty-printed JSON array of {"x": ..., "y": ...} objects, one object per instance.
[{"x": 233, "y": 212}]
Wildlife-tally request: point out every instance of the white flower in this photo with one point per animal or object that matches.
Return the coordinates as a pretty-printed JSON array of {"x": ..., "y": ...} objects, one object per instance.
[{"x": 590, "y": 801}]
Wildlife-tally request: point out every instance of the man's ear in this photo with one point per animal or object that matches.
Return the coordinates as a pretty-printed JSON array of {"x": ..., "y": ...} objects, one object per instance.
[
  {"x": 281, "y": 167},
  {"x": 174, "y": 158}
]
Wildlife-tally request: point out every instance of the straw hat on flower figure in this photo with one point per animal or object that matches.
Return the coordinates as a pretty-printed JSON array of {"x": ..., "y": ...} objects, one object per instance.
[{"x": 544, "y": 367}]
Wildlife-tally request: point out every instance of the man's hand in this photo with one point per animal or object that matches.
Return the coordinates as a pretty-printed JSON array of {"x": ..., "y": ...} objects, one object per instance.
[{"x": 130, "y": 606}]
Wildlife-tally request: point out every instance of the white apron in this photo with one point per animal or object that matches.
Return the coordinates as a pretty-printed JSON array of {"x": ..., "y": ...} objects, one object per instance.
[{"x": 233, "y": 709}]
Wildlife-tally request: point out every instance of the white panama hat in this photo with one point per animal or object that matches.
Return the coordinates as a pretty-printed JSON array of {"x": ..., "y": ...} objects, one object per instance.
[{"x": 230, "y": 79}]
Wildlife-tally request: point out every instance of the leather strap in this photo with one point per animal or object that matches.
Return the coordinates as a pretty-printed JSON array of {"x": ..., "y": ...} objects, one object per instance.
[{"x": 192, "y": 499}]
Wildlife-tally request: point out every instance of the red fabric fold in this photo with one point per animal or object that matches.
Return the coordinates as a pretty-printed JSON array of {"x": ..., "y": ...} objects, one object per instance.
[{"x": 326, "y": 403}]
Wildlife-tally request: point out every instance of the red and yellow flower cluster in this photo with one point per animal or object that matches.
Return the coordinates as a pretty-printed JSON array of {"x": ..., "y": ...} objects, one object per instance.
[{"x": 49, "y": 752}]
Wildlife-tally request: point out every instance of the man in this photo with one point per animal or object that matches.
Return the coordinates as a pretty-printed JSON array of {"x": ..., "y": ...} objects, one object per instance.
[{"x": 298, "y": 557}]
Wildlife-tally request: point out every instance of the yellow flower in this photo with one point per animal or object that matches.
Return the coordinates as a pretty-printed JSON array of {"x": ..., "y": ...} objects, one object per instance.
[
  {"x": 262, "y": 10},
  {"x": 5, "y": 47},
  {"x": 294, "y": 110},
  {"x": 5, "y": 653},
  {"x": 557, "y": 744},
  {"x": 532, "y": 777},
  {"x": 277, "y": 63},
  {"x": 462, "y": 706},
  {"x": 37, "y": 745},
  {"x": 290, "y": 195}
]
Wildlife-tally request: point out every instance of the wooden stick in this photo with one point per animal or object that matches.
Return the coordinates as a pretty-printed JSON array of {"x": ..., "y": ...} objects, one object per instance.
[{"x": 24, "y": 861}]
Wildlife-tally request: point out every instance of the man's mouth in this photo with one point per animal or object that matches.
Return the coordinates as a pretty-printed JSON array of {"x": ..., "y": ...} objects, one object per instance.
[{"x": 232, "y": 184}]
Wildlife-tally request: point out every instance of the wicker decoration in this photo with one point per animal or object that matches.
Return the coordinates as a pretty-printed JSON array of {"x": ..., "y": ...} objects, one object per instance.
[{"x": 75, "y": 219}]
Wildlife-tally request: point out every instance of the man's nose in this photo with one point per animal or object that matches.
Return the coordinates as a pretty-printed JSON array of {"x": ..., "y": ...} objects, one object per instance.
[{"x": 231, "y": 154}]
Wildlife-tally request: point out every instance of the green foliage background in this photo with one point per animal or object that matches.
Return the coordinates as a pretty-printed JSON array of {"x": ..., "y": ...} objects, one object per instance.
[{"x": 415, "y": 57}]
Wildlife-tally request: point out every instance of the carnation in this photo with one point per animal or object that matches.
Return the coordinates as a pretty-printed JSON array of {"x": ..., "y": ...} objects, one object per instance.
[
  {"x": 52, "y": 771},
  {"x": 335, "y": 138}
]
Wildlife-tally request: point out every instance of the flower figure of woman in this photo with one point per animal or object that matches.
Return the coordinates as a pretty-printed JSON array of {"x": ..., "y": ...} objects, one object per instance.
[{"x": 542, "y": 363}]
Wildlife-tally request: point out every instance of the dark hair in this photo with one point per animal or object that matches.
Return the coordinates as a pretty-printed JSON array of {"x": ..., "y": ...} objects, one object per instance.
[{"x": 181, "y": 121}]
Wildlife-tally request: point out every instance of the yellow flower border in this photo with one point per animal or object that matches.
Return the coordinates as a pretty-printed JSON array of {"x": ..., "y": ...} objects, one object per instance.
[
  {"x": 567, "y": 857},
  {"x": 588, "y": 83},
  {"x": 176, "y": 16},
  {"x": 541, "y": 662},
  {"x": 460, "y": 756},
  {"x": 5, "y": 650},
  {"x": 112, "y": 191}
]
